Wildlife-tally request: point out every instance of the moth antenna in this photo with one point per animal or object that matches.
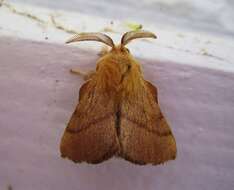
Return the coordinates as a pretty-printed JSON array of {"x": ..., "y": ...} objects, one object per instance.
[
  {"x": 92, "y": 36},
  {"x": 128, "y": 36}
]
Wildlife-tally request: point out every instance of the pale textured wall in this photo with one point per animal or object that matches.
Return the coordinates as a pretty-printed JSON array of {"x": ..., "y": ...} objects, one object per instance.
[{"x": 215, "y": 16}]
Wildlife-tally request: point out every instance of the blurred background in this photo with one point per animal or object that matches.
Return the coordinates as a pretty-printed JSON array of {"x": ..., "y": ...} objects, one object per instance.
[{"x": 215, "y": 16}]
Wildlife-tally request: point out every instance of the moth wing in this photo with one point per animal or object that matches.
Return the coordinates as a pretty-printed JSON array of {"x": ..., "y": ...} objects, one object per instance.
[
  {"x": 90, "y": 135},
  {"x": 145, "y": 136}
]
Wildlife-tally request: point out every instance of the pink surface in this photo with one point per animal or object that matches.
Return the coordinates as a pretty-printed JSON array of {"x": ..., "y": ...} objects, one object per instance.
[{"x": 38, "y": 95}]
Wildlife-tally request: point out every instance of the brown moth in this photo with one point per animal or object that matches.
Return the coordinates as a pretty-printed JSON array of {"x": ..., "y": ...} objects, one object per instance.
[{"x": 118, "y": 112}]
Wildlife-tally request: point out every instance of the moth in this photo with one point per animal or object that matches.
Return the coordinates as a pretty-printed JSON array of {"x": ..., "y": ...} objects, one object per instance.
[{"x": 118, "y": 112}]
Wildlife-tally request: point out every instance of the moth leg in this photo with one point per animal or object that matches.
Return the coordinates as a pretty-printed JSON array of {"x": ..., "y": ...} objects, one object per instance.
[{"x": 85, "y": 76}]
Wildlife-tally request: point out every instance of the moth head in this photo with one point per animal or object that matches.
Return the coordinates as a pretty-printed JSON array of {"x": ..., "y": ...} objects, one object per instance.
[
  {"x": 118, "y": 59},
  {"x": 126, "y": 38}
]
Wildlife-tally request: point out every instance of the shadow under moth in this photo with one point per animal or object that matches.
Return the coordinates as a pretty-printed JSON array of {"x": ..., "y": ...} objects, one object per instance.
[{"x": 118, "y": 112}]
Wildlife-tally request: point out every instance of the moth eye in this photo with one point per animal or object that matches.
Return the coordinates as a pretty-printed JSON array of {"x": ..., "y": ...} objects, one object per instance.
[{"x": 127, "y": 50}]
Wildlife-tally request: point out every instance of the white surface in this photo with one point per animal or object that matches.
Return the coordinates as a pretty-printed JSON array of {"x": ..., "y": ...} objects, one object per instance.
[{"x": 213, "y": 16}]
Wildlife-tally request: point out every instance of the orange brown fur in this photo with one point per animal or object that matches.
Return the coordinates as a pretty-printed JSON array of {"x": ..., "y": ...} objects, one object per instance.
[{"x": 118, "y": 115}]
